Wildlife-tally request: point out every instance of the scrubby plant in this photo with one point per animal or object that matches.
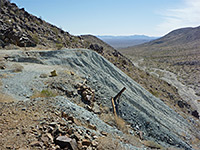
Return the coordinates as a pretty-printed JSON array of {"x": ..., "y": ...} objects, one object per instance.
[
  {"x": 44, "y": 93},
  {"x": 152, "y": 145},
  {"x": 109, "y": 143},
  {"x": 35, "y": 38},
  {"x": 59, "y": 46}
]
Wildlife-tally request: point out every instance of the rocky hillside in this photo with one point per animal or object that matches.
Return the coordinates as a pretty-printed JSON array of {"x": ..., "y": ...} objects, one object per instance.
[
  {"x": 81, "y": 86},
  {"x": 19, "y": 29},
  {"x": 177, "y": 53},
  {"x": 186, "y": 36}
]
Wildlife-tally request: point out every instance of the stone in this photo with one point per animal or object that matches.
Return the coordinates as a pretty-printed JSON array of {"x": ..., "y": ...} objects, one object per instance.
[
  {"x": 72, "y": 73},
  {"x": 97, "y": 48},
  {"x": 77, "y": 136},
  {"x": 86, "y": 142},
  {"x": 180, "y": 104},
  {"x": 89, "y": 108},
  {"x": 64, "y": 115},
  {"x": 36, "y": 143},
  {"x": 65, "y": 142},
  {"x": 24, "y": 109},
  {"x": 104, "y": 133},
  {"x": 195, "y": 114},
  {"x": 71, "y": 118},
  {"x": 50, "y": 137},
  {"x": 70, "y": 131},
  {"x": 93, "y": 127},
  {"x": 53, "y": 124},
  {"x": 43, "y": 75},
  {"x": 53, "y": 73},
  {"x": 94, "y": 143}
]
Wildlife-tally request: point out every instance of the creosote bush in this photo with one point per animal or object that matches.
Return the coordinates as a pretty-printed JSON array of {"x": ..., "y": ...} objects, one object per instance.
[{"x": 59, "y": 46}]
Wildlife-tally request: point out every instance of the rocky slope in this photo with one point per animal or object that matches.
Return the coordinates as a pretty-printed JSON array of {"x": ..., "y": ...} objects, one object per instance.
[
  {"x": 25, "y": 81},
  {"x": 19, "y": 30},
  {"x": 80, "y": 70},
  {"x": 177, "y": 52}
]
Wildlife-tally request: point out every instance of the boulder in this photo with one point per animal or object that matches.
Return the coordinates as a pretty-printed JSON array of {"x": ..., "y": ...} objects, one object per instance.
[
  {"x": 65, "y": 142},
  {"x": 195, "y": 114},
  {"x": 97, "y": 48},
  {"x": 53, "y": 73},
  {"x": 26, "y": 41},
  {"x": 86, "y": 142}
]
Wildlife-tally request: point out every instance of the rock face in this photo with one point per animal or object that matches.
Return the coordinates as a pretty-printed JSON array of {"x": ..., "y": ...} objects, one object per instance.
[
  {"x": 146, "y": 113},
  {"x": 97, "y": 48},
  {"x": 19, "y": 28}
]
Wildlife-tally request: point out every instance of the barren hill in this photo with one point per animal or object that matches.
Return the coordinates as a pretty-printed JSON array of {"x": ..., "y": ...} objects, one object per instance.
[
  {"x": 78, "y": 70},
  {"x": 21, "y": 30},
  {"x": 50, "y": 96}
]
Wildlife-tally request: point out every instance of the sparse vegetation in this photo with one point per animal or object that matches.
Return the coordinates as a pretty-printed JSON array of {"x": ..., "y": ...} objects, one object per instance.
[
  {"x": 35, "y": 38},
  {"x": 108, "y": 143},
  {"x": 115, "y": 121},
  {"x": 152, "y": 145},
  {"x": 44, "y": 93}
]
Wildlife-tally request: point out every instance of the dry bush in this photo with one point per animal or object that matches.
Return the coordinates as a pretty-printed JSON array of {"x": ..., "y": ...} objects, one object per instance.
[
  {"x": 152, "y": 145},
  {"x": 44, "y": 93},
  {"x": 17, "y": 68},
  {"x": 108, "y": 143},
  {"x": 121, "y": 124},
  {"x": 116, "y": 121},
  {"x": 108, "y": 118},
  {"x": 133, "y": 140},
  {"x": 1, "y": 83}
]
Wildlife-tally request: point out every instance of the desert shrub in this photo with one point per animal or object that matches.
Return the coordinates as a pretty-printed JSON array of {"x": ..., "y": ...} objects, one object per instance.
[
  {"x": 108, "y": 143},
  {"x": 152, "y": 145},
  {"x": 55, "y": 30},
  {"x": 121, "y": 124},
  {"x": 153, "y": 92},
  {"x": 59, "y": 46},
  {"x": 115, "y": 121},
  {"x": 35, "y": 38},
  {"x": 44, "y": 93}
]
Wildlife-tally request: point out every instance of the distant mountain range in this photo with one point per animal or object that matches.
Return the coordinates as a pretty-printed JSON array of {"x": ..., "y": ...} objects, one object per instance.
[{"x": 119, "y": 42}]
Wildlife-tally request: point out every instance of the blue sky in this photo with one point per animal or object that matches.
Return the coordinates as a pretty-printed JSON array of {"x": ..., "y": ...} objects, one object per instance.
[{"x": 116, "y": 17}]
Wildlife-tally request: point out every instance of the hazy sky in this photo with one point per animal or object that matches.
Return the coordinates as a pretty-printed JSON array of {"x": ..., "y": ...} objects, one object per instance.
[{"x": 116, "y": 17}]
